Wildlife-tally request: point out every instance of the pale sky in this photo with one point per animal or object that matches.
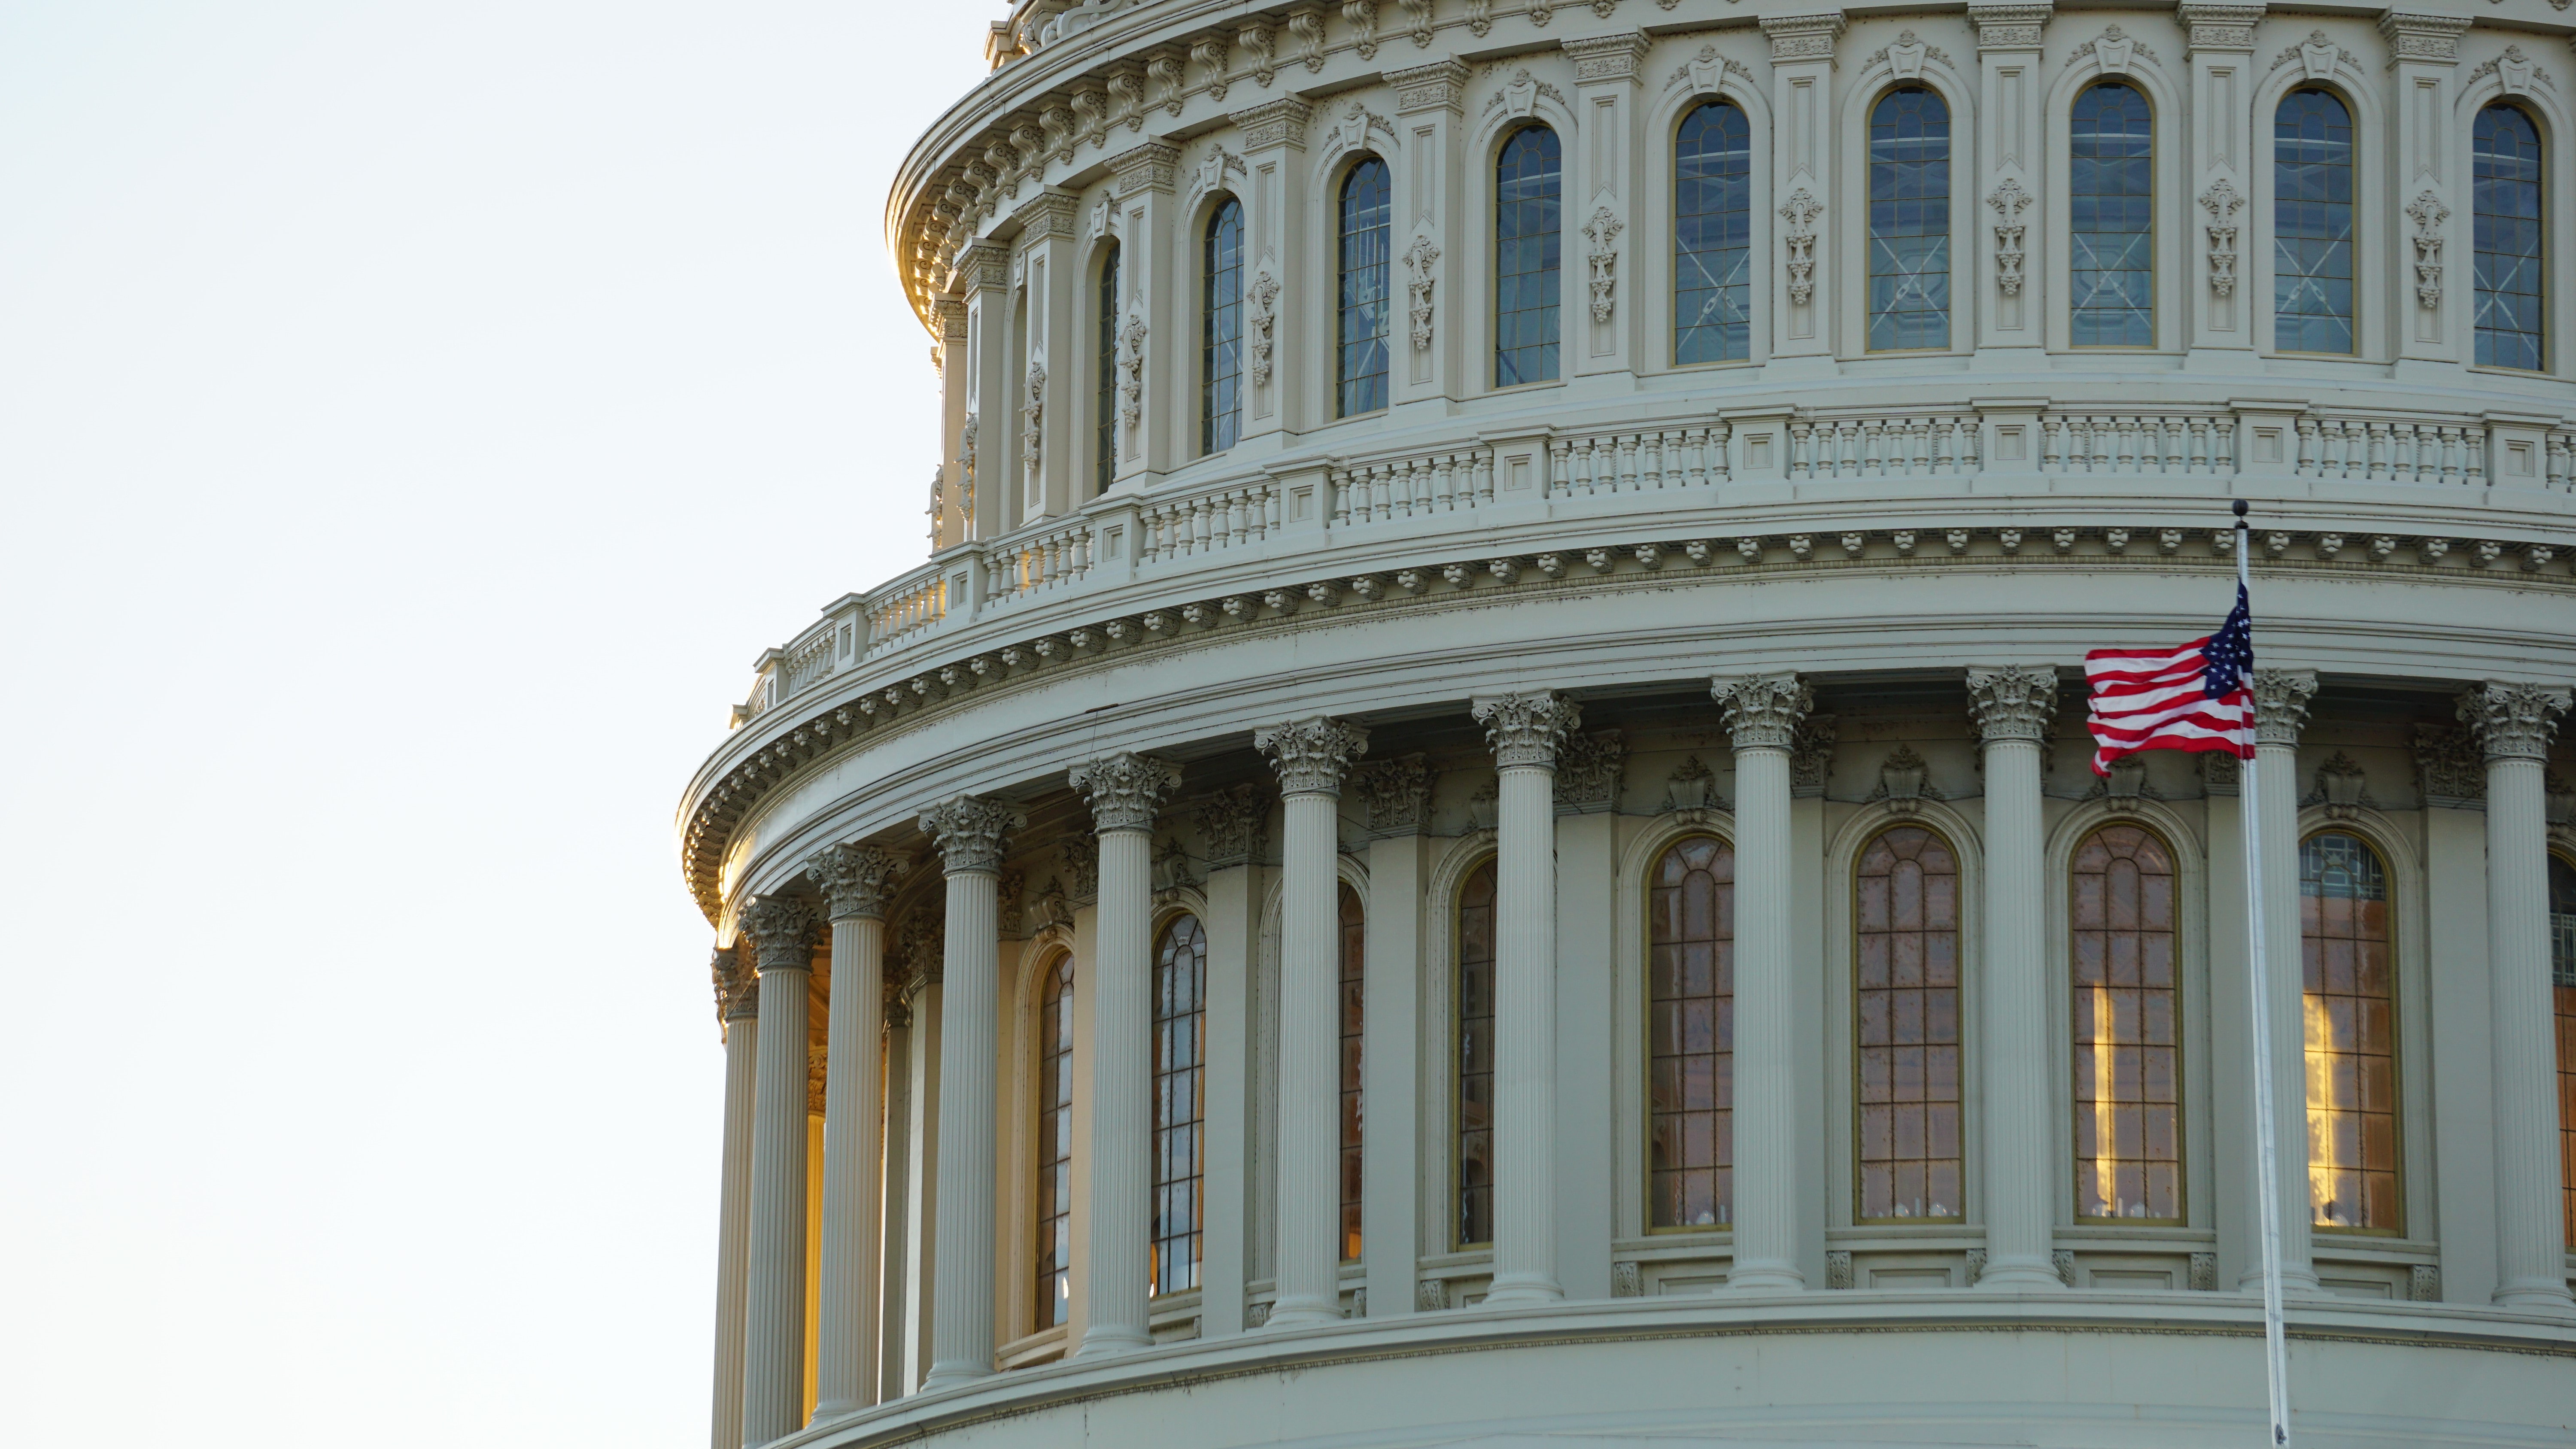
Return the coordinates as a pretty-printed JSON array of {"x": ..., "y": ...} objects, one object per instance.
[{"x": 415, "y": 416}]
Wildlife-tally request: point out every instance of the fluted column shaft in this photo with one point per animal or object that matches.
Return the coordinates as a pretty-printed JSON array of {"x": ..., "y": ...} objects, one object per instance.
[
  {"x": 855, "y": 881},
  {"x": 970, "y": 834},
  {"x": 2013, "y": 706},
  {"x": 2514, "y": 723},
  {"x": 1311, "y": 756},
  {"x": 2280, "y": 708},
  {"x": 739, "y": 999},
  {"x": 1762, "y": 712},
  {"x": 1525, "y": 731},
  {"x": 773, "y": 1390}
]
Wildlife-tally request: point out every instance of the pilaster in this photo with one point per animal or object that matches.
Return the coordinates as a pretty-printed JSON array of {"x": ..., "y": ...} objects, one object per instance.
[
  {"x": 953, "y": 518},
  {"x": 988, "y": 431},
  {"x": 1423, "y": 343},
  {"x": 1802, "y": 129},
  {"x": 1600, "y": 214},
  {"x": 2011, "y": 252},
  {"x": 1153, "y": 393},
  {"x": 2429, "y": 208},
  {"x": 2218, "y": 175},
  {"x": 1052, "y": 369},
  {"x": 1279, "y": 351}
]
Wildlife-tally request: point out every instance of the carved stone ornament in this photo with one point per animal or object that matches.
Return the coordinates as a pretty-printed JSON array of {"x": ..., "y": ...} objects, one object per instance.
[
  {"x": 1307, "y": 27},
  {"x": 2113, "y": 52},
  {"x": 1079, "y": 856},
  {"x": 2125, "y": 783},
  {"x": 1231, "y": 825},
  {"x": 1838, "y": 1269},
  {"x": 2428, "y": 213},
  {"x": 2281, "y": 704},
  {"x": 817, "y": 1069},
  {"x": 1905, "y": 57},
  {"x": 2316, "y": 56},
  {"x": 2009, "y": 27},
  {"x": 1691, "y": 789},
  {"x": 783, "y": 930},
  {"x": 1519, "y": 96},
  {"x": 1588, "y": 771},
  {"x": 2448, "y": 767},
  {"x": 2008, "y": 200},
  {"x": 1032, "y": 419},
  {"x": 2415, "y": 36},
  {"x": 1762, "y": 711},
  {"x": 2204, "y": 1273},
  {"x": 1125, "y": 789},
  {"x": 2221, "y": 201},
  {"x": 1171, "y": 869},
  {"x": 971, "y": 832},
  {"x": 1208, "y": 52},
  {"x": 1131, "y": 371},
  {"x": 1800, "y": 211},
  {"x": 1803, "y": 37},
  {"x": 2513, "y": 721},
  {"x": 924, "y": 955},
  {"x": 2513, "y": 71},
  {"x": 2015, "y": 702},
  {"x": 1419, "y": 259},
  {"x": 1904, "y": 781},
  {"x": 2558, "y": 800},
  {"x": 1603, "y": 232},
  {"x": 1397, "y": 793},
  {"x": 1265, "y": 316},
  {"x": 2341, "y": 788},
  {"x": 1707, "y": 72},
  {"x": 857, "y": 880},
  {"x": 1526, "y": 730},
  {"x": 1811, "y": 754},
  {"x": 2220, "y": 773},
  {"x": 1420, "y": 10},
  {"x": 737, "y": 985},
  {"x": 1627, "y": 1280},
  {"x": 1312, "y": 754}
]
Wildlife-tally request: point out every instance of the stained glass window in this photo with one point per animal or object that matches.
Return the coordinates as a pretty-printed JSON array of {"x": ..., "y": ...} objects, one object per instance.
[
  {"x": 1180, "y": 1103},
  {"x": 2506, "y": 153},
  {"x": 1527, "y": 181},
  {"x": 1474, "y": 1222},
  {"x": 1365, "y": 258},
  {"x": 1909, "y": 221},
  {"x": 1055, "y": 1144},
  {"x": 2127, "y": 1049},
  {"x": 1221, "y": 330},
  {"x": 1104, "y": 400},
  {"x": 1712, "y": 235},
  {"x": 2312, "y": 223},
  {"x": 2111, "y": 204},
  {"x": 2348, "y": 1004},
  {"x": 1908, "y": 1027},
  {"x": 1354, "y": 943},
  {"x": 1690, "y": 1036}
]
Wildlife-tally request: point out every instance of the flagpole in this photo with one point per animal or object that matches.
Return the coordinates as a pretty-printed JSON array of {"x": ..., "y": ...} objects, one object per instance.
[{"x": 2267, "y": 1164}]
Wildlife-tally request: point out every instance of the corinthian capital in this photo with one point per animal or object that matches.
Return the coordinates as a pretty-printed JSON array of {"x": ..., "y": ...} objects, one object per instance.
[
  {"x": 1762, "y": 711},
  {"x": 971, "y": 832},
  {"x": 2014, "y": 702},
  {"x": 1526, "y": 729},
  {"x": 737, "y": 989},
  {"x": 1311, "y": 755},
  {"x": 1126, "y": 789},
  {"x": 856, "y": 879},
  {"x": 2281, "y": 704},
  {"x": 2513, "y": 721},
  {"x": 782, "y": 930}
]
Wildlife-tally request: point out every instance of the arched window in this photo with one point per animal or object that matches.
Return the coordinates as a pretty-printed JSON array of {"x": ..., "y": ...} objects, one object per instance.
[
  {"x": 2111, "y": 201},
  {"x": 1690, "y": 1036},
  {"x": 2128, "y": 1052},
  {"x": 2562, "y": 979},
  {"x": 1180, "y": 1103},
  {"x": 2312, "y": 223},
  {"x": 1909, "y": 221},
  {"x": 1221, "y": 330},
  {"x": 1055, "y": 1144},
  {"x": 1354, "y": 973},
  {"x": 1360, "y": 354},
  {"x": 1474, "y": 1223},
  {"x": 1712, "y": 235},
  {"x": 1527, "y": 181},
  {"x": 2506, "y": 151},
  {"x": 1104, "y": 400},
  {"x": 1907, "y": 1027},
  {"x": 2348, "y": 970}
]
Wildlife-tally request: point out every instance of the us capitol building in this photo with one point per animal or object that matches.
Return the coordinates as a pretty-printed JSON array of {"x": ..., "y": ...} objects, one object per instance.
[{"x": 1478, "y": 829}]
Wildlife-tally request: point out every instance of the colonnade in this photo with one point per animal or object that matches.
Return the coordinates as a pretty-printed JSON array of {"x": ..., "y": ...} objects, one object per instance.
[{"x": 762, "y": 1272}]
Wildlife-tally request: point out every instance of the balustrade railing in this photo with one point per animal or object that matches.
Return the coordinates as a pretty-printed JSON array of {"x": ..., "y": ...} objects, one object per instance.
[
  {"x": 1212, "y": 519},
  {"x": 2137, "y": 443},
  {"x": 906, "y": 606},
  {"x": 2392, "y": 450},
  {"x": 1642, "y": 461},
  {"x": 1050, "y": 558},
  {"x": 1455, "y": 481},
  {"x": 1883, "y": 446}
]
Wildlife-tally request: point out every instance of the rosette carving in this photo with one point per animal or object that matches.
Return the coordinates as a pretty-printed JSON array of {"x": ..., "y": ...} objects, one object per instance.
[
  {"x": 1527, "y": 729},
  {"x": 857, "y": 880},
  {"x": 972, "y": 832},
  {"x": 1762, "y": 711},
  {"x": 1311, "y": 755},
  {"x": 1125, "y": 789}
]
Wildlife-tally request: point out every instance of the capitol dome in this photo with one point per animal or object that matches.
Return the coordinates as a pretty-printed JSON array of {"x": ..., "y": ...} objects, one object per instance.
[{"x": 1479, "y": 827}]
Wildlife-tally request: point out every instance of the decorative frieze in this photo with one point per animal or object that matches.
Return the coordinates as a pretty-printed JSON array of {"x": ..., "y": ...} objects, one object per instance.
[
  {"x": 2015, "y": 702},
  {"x": 1125, "y": 789},
  {"x": 783, "y": 930},
  {"x": 971, "y": 831},
  {"x": 1312, "y": 754},
  {"x": 2281, "y": 704},
  {"x": 1762, "y": 711},
  {"x": 1527, "y": 729},
  {"x": 857, "y": 880},
  {"x": 2513, "y": 721},
  {"x": 1397, "y": 794}
]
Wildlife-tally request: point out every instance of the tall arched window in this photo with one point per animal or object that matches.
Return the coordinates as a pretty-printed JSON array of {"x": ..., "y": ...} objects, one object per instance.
[
  {"x": 1474, "y": 1222},
  {"x": 1527, "y": 182},
  {"x": 2562, "y": 980},
  {"x": 1104, "y": 390},
  {"x": 1055, "y": 1144},
  {"x": 2312, "y": 223},
  {"x": 2111, "y": 202},
  {"x": 2348, "y": 970},
  {"x": 2128, "y": 1051},
  {"x": 1906, "y": 1021},
  {"x": 2506, "y": 150},
  {"x": 1221, "y": 330},
  {"x": 1354, "y": 943},
  {"x": 1712, "y": 235},
  {"x": 1690, "y": 1036},
  {"x": 1909, "y": 221},
  {"x": 1360, "y": 354},
  {"x": 1180, "y": 1103}
]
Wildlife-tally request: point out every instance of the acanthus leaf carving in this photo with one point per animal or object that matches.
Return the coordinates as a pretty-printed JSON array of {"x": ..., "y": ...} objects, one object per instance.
[
  {"x": 1311, "y": 754},
  {"x": 1397, "y": 793},
  {"x": 1419, "y": 259},
  {"x": 1209, "y": 51},
  {"x": 2513, "y": 721},
  {"x": 1588, "y": 771},
  {"x": 2428, "y": 213},
  {"x": 972, "y": 831},
  {"x": 1361, "y": 15},
  {"x": 1131, "y": 372},
  {"x": 1800, "y": 211},
  {"x": 1264, "y": 293},
  {"x": 1603, "y": 232},
  {"x": 1527, "y": 729},
  {"x": 1308, "y": 28},
  {"x": 1256, "y": 41},
  {"x": 857, "y": 880},
  {"x": 2222, "y": 202},
  {"x": 783, "y": 930},
  {"x": 1165, "y": 71},
  {"x": 2008, "y": 200},
  {"x": 1231, "y": 824},
  {"x": 1125, "y": 789},
  {"x": 1763, "y": 711},
  {"x": 2013, "y": 702}
]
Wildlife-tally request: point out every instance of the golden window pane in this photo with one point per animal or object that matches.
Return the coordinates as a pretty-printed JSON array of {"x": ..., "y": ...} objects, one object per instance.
[
  {"x": 1054, "y": 1297},
  {"x": 2348, "y": 1016},
  {"x": 2128, "y": 1073}
]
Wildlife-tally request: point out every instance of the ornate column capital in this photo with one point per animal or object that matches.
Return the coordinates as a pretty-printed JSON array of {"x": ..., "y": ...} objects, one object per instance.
[
  {"x": 2281, "y": 704},
  {"x": 1607, "y": 57},
  {"x": 1125, "y": 789},
  {"x": 1803, "y": 37},
  {"x": 737, "y": 986},
  {"x": 1439, "y": 86},
  {"x": 951, "y": 312},
  {"x": 1397, "y": 793},
  {"x": 856, "y": 879},
  {"x": 1150, "y": 167},
  {"x": 1231, "y": 824},
  {"x": 982, "y": 266},
  {"x": 2009, "y": 27},
  {"x": 1526, "y": 729},
  {"x": 2434, "y": 38},
  {"x": 2013, "y": 702},
  {"x": 2513, "y": 721},
  {"x": 1762, "y": 711},
  {"x": 971, "y": 832},
  {"x": 1274, "y": 123},
  {"x": 782, "y": 930},
  {"x": 1311, "y": 755}
]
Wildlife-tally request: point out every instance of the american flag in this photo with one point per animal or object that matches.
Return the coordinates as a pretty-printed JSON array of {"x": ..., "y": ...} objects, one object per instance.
[{"x": 2197, "y": 697}]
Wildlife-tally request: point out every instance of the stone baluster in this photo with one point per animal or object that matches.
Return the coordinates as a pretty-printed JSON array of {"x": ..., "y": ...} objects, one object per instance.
[
  {"x": 738, "y": 1009},
  {"x": 782, "y": 930},
  {"x": 856, "y": 881},
  {"x": 2280, "y": 707},
  {"x": 971, "y": 834},
  {"x": 1311, "y": 755},
  {"x": 1125, "y": 790},
  {"x": 2514, "y": 723},
  {"x": 1762, "y": 712},
  {"x": 2013, "y": 706}
]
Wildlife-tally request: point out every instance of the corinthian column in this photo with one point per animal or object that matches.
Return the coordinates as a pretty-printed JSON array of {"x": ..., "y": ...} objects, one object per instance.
[
  {"x": 738, "y": 1009},
  {"x": 969, "y": 831},
  {"x": 856, "y": 879},
  {"x": 2280, "y": 708},
  {"x": 1525, "y": 731},
  {"x": 1311, "y": 756},
  {"x": 2013, "y": 706},
  {"x": 773, "y": 1390},
  {"x": 1762, "y": 712},
  {"x": 1125, "y": 790},
  {"x": 2514, "y": 722}
]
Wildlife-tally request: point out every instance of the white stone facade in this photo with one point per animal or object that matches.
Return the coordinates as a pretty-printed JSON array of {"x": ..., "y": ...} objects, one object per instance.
[{"x": 1409, "y": 711}]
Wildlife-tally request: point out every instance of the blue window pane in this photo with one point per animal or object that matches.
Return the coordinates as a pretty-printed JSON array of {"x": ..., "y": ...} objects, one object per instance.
[
  {"x": 2312, "y": 224},
  {"x": 1712, "y": 236},
  {"x": 1360, "y": 356},
  {"x": 2111, "y": 210},
  {"x": 1221, "y": 331},
  {"x": 2506, "y": 152},
  {"x": 1909, "y": 221},
  {"x": 1527, "y": 181}
]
